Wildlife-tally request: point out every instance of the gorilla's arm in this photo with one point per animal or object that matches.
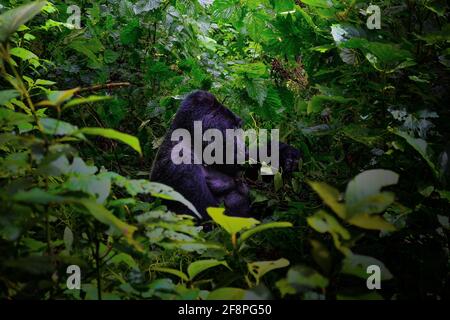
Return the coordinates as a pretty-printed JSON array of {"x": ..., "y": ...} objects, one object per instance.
[
  {"x": 218, "y": 182},
  {"x": 289, "y": 158}
]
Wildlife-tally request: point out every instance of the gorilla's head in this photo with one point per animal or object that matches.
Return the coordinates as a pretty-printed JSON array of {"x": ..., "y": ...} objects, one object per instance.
[{"x": 203, "y": 106}]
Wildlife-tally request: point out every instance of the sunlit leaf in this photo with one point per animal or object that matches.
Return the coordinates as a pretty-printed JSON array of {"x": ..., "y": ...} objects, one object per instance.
[
  {"x": 330, "y": 196},
  {"x": 259, "y": 268},
  {"x": 199, "y": 266},
  {"x": 90, "y": 99},
  {"x": 368, "y": 183},
  {"x": 232, "y": 225},
  {"x": 266, "y": 226}
]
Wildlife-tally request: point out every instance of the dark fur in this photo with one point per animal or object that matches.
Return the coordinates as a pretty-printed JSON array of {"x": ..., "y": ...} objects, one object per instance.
[{"x": 208, "y": 186}]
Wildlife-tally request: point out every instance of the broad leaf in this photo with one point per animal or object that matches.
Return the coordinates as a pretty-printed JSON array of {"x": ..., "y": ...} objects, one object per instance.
[
  {"x": 116, "y": 135},
  {"x": 356, "y": 265},
  {"x": 11, "y": 20},
  {"x": 260, "y": 268},
  {"x": 105, "y": 216},
  {"x": 232, "y": 225},
  {"x": 368, "y": 183},
  {"x": 330, "y": 196},
  {"x": 302, "y": 276},
  {"x": 266, "y": 226},
  {"x": 171, "y": 271},
  {"x": 199, "y": 266}
]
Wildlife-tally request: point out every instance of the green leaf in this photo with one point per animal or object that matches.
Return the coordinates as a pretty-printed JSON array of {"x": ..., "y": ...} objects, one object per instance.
[
  {"x": 98, "y": 186},
  {"x": 131, "y": 33},
  {"x": 55, "y": 98},
  {"x": 23, "y": 54},
  {"x": 68, "y": 239},
  {"x": 199, "y": 266},
  {"x": 58, "y": 127},
  {"x": 271, "y": 225},
  {"x": 256, "y": 70},
  {"x": 278, "y": 181},
  {"x": 7, "y": 95},
  {"x": 285, "y": 288},
  {"x": 37, "y": 196},
  {"x": 146, "y": 6},
  {"x": 257, "y": 90},
  {"x": 372, "y": 204},
  {"x": 260, "y": 268},
  {"x": 90, "y": 99},
  {"x": 437, "y": 6},
  {"x": 254, "y": 22},
  {"x": 302, "y": 276},
  {"x": 9, "y": 118},
  {"x": 116, "y": 135},
  {"x": 371, "y": 222},
  {"x": 110, "y": 56},
  {"x": 318, "y": 102},
  {"x": 105, "y": 216},
  {"x": 368, "y": 183},
  {"x": 318, "y": 3},
  {"x": 83, "y": 48},
  {"x": 355, "y": 264},
  {"x": 11, "y": 20},
  {"x": 283, "y": 6},
  {"x": 227, "y": 294},
  {"x": 171, "y": 271},
  {"x": 323, "y": 222},
  {"x": 225, "y": 9},
  {"x": 330, "y": 196},
  {"x": 43, "y": 82},
  {"x": 231, "y": 224},
  {"x": 420, "y": 146},
  {"x": 156, "y": 189}
]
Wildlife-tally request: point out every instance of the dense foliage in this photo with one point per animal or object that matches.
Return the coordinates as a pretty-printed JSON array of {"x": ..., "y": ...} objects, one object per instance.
[{"x": 82, "y": 112}]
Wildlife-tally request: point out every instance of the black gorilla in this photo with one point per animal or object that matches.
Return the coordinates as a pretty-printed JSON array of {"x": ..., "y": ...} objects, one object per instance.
[{"x": 208, "y": 186}]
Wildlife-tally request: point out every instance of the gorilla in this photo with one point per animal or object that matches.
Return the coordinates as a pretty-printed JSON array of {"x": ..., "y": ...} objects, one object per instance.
[{"x": 208, "y": 185}]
